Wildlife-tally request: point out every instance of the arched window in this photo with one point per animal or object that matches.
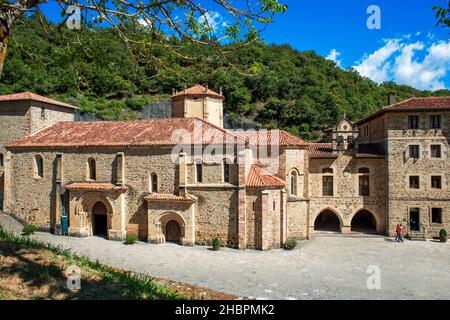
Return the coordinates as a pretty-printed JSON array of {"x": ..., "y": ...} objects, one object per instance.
[
  {"x": 38, "y": 166},
  {"x": 364, "y": 170},
  {"x": 2, "y": 163},
  {"x": 154, "y": 183},
  {"x": 92, "y": 169},
  {"x": 294, "y": 182}
]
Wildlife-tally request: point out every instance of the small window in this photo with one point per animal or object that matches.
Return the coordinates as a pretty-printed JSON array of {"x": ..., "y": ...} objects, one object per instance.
[
  {"x": 274, "y": 205},
  {"x": 414, "y": 151},
  {"x": 226, "y": 172},
  {"x": 436, "y": 151},
  {"x": 364, "y": 170},
  {"x": 254, "y": 205},
  {"x": 435, "y": 122},
  {"x": 293, "y": 183},
  {"x": 199, "y": 172},
  {"x": 92, "y": 169},
  {"x": 327, "y": 186},
  {"x": 328, "y": 171},
  {"x": 414, "y": 182},
  {"x": 413, "y": 122},
  {"x": 364, "y": 186},
  {"x": 436, "y": 182},
  {"x": 2, "y": 163},
  {"x": 43, "y": 115},
  {"x": 39, "y": 166},
  {"x": 436, "y": 215},
  {"x": 154, "y": 183}
]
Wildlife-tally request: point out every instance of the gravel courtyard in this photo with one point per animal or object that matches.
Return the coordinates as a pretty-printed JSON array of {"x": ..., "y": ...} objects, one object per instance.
[{"x": 322, "y": 268}]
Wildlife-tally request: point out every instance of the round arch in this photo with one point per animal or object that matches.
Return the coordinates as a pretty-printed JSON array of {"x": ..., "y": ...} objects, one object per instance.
[
  {"x": 89, "y": 203},
  {"x": 328, "y": 220},
  {"x": 173, "y": 227},
  {"x": 365, "y": 221}
]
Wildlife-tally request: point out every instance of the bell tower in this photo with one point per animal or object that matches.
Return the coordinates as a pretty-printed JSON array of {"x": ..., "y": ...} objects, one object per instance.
[{"x": 201, "y": 102}]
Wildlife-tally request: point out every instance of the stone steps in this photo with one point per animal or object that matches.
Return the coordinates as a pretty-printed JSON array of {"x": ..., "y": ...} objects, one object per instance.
[{"x": 417, "y": 236}]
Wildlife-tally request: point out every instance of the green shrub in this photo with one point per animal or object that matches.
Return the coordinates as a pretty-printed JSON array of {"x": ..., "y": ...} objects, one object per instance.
[
  {"x": 129, "y": 240},
  {"x": 443, "y": 233},
  {"x": 216, "y": 242},
  {"x": 290, "y": 244},
  {"x": 29, "y": 229}
]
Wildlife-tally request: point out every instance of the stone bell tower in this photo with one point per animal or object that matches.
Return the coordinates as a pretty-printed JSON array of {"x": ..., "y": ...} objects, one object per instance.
[{"x": 201, "y": 102}]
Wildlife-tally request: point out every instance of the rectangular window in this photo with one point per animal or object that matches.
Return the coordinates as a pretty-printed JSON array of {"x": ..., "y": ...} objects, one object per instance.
[
  {"x": 327, "y": 185},
  {"x": 435, "y": 122},
  {"x": 414, "y": 182},
  {"x": 42, "y": 113},
  {"x": 413, "y": 122},
  {"x": 1, "y": 160},
  {"x": 274, "y": 205},
  {"x": 436, "y": 182},
  {"x": 226, "y": 172},
  {"x": 414, "y": 151},
  {"x": 436, "y": 215},
  {"x": 199, "y": 172},
  {"x": 436, "y": 151},
  {"x": 364, "y": 186}
]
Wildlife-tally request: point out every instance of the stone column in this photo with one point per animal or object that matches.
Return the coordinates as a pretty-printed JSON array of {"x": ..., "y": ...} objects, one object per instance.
[
  {"x": 242, "y": 214},
  {"x": 264, "y": 238},
  {"x": 283, "y": 218},
  {"x": 59, "y": 191},
  {"x": 183, "y": 175},
  {"x": 7, "y": 166}
]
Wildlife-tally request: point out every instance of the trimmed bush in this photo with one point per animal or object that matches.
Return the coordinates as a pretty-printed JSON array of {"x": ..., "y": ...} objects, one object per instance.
[
  {"x": 29, "y": 229},
  {"x": 290, "y": 244},
  {"x": 443, "y": 233},
  {"x": 129, "y": 240}
]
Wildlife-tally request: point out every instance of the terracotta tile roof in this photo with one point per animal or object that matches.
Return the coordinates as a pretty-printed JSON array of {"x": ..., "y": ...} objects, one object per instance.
[
  {"x": 259, "y": 178},
  {"x": 415, "y": 105},
  {"x": 154, "y": 132},
  {"x": 168, "y": 197},
  {"x": 23, "y": 96},
  {"x": 270, "y": 138},
  {"x": 95, "y": 186},
  {"x": 325, "y": 150},
  {"x": 198, "y": 90},
  {"x": 321, "y": 150}
]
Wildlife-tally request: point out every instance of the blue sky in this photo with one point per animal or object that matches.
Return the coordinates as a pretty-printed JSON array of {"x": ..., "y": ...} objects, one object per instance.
[{"x": 408, "y": 49}]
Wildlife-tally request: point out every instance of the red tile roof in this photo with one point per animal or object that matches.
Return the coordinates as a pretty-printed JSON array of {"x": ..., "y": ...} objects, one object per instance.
[
  {"x": 168, "y": 197},
  {"x": 415, "y": 105},
  {"x": 23, "y": 96},
  {"x": 260, "y": 178},
  {"x": 95, "y": 186},
  {"x": 270, "y": 138},
  {"x": 155, "y": 132},
  {"x": 198, "y": 90}
]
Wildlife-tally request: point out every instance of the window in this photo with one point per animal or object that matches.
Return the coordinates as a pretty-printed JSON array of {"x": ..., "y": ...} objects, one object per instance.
[
  {"x": 436, "y": 151},
  {"x": 42, "y": 113},
  {"x": 92, "y": 170},
  {"x": 39, "y": 166},
  {"x": 254, "y": 205},
  {"x": 435, "y": 122},
  {"x": 198, "y": 172},
  {"x": 1, "y": 160},
  {"x": 327, "y": 187},
  {"x": 293, "y": 183},
  {"x": 364, "y": 170},
  {"x": 226, "y": 172},
  {"x": 274, "y": 205},
  {"x": 436, "y": 182},
  {"x": 414, "y": 182},
  {"x": 436, "y": 215},
  {"x": 364, "y": 186},
  {"x": 154, "y": 183},
  {"x": 414, "y": 151},
  {"x": 413, "y": 122}
]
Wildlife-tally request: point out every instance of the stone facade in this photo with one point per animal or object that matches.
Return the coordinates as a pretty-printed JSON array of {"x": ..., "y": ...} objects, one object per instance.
[{"x": 247, "y": 198}]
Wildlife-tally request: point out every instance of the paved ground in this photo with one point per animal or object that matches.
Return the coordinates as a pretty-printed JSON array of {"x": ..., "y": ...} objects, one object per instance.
[{"x": 322, "y": 268}]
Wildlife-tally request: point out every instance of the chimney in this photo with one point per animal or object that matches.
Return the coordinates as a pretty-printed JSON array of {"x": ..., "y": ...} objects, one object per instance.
[
  {"x": 206, "y": 88},
  {"x": 391, "y": 98},
  {"x": 221, "y": 90}
]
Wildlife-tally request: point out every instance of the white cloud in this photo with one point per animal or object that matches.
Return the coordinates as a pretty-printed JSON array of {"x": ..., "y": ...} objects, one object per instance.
[
  {"x": 334, "y": 56},
  {"x": 212, "y": 19},
  {"x": 417, "y": 64}
]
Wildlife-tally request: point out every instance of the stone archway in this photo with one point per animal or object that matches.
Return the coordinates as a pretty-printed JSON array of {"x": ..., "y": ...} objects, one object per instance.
[
  {"x": 172, "y": 227},
  {"x": 364, "y": 221},
  {"x": 328, "y": 220},
  {"x": 99, "y": 220},
  {"x": 91, "y": 208}
]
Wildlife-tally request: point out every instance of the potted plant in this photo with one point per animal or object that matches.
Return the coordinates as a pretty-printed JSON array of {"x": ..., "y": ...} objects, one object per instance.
[
  {"x": 216, "y": 244},
  {"x": 443, "y": 234}
]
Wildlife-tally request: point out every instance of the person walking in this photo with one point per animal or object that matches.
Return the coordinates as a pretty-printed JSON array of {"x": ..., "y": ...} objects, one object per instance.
[{"x": 399, "y": 232}]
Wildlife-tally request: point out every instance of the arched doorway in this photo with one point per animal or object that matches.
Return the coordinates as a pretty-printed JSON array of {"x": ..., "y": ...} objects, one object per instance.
[
  {"x": 364, "y": 222},
  {"x": 327, "y": 220},
  {"x": 99, "y": 219},
  {"x": 173, "y": 231}
]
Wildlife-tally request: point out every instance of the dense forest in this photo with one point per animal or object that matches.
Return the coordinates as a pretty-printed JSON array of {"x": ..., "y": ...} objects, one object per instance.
[{"x": 273, "y": 85}]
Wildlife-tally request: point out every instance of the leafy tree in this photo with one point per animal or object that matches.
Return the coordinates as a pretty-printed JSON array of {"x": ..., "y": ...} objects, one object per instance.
[{"x": 443, "y": 15}]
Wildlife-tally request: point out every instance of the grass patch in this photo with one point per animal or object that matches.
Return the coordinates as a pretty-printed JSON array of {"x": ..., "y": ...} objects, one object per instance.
[{"x": 31, "y": 269}]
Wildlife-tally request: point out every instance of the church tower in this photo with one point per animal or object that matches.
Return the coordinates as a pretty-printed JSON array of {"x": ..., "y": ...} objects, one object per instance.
[{"x": 201, "y": 102}]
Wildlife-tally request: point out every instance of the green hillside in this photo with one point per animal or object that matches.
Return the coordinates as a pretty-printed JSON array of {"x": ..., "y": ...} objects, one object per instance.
[{"x": 273, "y": 85}]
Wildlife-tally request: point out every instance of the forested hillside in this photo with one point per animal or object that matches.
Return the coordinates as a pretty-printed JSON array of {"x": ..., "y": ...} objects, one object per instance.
[{"x": 275, "y": 86}]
